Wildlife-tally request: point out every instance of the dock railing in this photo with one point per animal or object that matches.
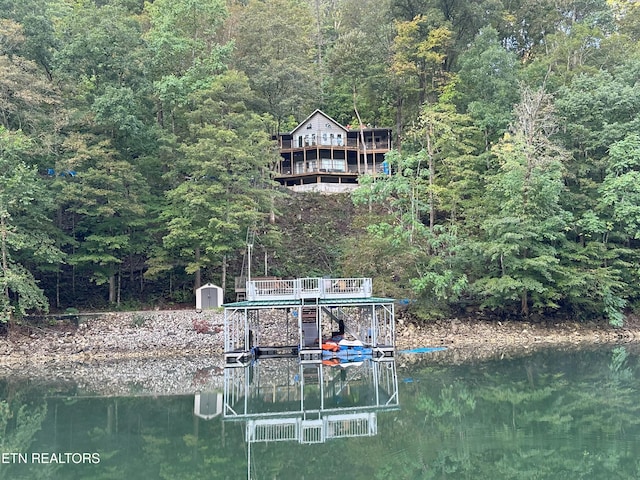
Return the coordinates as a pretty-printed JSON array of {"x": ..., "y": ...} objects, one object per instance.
[
  {"x": 344, "y": 425},
  {"x": 304, "y": 288}
]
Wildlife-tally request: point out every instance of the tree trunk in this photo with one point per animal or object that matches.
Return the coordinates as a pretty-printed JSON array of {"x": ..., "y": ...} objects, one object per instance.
[
  {"x": 58, "y": 288},
  {"x": 399, "y": 105},
  {"x": 112, "y": 289},
  {"x": 432, "y": 174},
  {"x": 160, "y": 114},
  {"x": 272, "y": 211},
  {"x": 198, "y": 275},
  {"x": 3, "y": 248},
  {"x": 223, "y": 280},
  {"x": 364, "y": 145},
  {"x": 132, "y": 272},
  {"x": 73, "y": 251},
  {"x": 319, "y": 43}
]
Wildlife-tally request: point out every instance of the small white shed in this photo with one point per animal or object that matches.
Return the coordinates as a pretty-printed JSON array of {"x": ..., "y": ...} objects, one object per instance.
[
  {"x": 208, "y": 296},
  {"x": 207, "y": 405}
]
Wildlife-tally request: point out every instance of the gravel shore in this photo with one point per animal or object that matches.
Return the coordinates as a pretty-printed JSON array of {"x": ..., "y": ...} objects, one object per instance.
[{"x": 180, "y": 351}]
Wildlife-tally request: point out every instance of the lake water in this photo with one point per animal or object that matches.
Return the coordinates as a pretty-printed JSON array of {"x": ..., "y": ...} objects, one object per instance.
[{"x": 549, "y": 415}]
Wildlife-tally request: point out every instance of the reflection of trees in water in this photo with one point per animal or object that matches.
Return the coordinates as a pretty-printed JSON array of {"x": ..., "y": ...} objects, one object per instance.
[
  {"x": 574, "y": 415},
  {"x": 136, "y": 437},
  {"x": 21, "y": 419},
  {"x": 552, "y": 415},
  {"x": 619, "y": 368},
  {"x": 19, "y": 422}
]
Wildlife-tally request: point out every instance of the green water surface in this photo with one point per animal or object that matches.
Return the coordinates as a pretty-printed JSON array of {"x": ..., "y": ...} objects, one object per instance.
[{"x": 550, "y": 415}]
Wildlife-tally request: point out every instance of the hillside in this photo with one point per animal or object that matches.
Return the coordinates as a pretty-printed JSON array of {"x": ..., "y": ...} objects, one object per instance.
[{"x": 139, "y": 148}]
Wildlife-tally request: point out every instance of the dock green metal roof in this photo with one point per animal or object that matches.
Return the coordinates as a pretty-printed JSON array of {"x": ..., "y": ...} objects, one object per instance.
[{"x": 309, "y": 302}]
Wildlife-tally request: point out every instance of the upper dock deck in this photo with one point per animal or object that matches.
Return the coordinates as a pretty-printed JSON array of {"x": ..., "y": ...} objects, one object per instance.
[{"x": 309, "y": 288}]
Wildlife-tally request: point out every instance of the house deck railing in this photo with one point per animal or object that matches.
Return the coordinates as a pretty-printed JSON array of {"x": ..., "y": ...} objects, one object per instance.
[
  {"x": 378, "y": 167},
  {"x": 350, "y": 143},
  {"x": 303, "y": 288}
]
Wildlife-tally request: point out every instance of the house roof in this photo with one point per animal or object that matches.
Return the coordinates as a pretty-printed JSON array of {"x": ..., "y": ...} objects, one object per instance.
[{"x": 318, "y": 111}]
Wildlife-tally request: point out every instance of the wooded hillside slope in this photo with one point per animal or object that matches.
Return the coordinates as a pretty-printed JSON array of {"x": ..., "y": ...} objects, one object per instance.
[{"x": 136, "y": 151}]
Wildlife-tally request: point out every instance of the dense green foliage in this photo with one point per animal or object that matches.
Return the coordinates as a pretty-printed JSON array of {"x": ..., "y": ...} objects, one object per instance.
[{"x": 135, "y": 149}]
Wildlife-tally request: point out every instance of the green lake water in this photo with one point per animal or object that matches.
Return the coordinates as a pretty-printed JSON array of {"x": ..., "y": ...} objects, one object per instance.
[{"x": 549, "y": 415}]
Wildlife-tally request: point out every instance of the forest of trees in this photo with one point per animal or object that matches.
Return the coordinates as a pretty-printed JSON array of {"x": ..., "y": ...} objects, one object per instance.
[{"x": 136, "y": 150}]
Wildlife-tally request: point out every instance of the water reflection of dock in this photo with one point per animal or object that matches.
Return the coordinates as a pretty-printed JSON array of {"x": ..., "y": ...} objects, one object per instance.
[{"x": 283, "y": 399}]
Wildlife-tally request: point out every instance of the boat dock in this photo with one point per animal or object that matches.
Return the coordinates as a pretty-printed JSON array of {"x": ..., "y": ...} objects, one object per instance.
[{"x": 312, "y": 318}]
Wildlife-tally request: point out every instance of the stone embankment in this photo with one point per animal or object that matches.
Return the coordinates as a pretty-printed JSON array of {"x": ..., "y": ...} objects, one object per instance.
[
  {"x": 472, "y": 340},
  {"x": 152, "y": 351},
  {"x": 137, "y": 353},
  {"x": 161, "y": 334},
  {"x": 186, "y": 333}
]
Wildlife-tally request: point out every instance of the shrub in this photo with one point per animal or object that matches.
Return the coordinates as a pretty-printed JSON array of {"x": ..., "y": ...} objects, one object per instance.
[
  {"x": 200, "y": 325},
  {"x": 138, "y": 320}
]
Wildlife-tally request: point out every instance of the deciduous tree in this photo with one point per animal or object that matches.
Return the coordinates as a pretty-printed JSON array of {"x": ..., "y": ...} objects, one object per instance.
[
  {"x": 221, "y": 182},
  {"x": 487, "y": 84},
  {"x": 275, "y": 49},
  {"x": 106, "y": 196},
  {"x": 524, "y": 227},
  {"x": 25, "y": 229}
]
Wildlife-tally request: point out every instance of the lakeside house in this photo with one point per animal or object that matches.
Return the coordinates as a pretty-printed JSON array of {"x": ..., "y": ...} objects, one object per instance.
[{"x": 322, "y": 155}]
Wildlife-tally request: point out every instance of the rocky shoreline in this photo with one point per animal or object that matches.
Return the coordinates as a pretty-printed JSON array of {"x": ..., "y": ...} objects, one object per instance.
[
  {"x": 186, "y": 333},
  {"x": 151, "y": 351}
]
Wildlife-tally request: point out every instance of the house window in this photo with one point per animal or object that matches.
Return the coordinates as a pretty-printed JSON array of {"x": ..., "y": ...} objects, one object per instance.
[{"x": 329, "y": 165}]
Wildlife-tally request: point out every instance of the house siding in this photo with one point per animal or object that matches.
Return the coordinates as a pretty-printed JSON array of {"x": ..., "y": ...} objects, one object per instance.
[{"x": 319, "y": 130}]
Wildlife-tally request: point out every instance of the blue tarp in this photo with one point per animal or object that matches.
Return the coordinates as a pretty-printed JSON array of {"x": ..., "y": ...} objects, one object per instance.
[{"x": 423, "y": 350}]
